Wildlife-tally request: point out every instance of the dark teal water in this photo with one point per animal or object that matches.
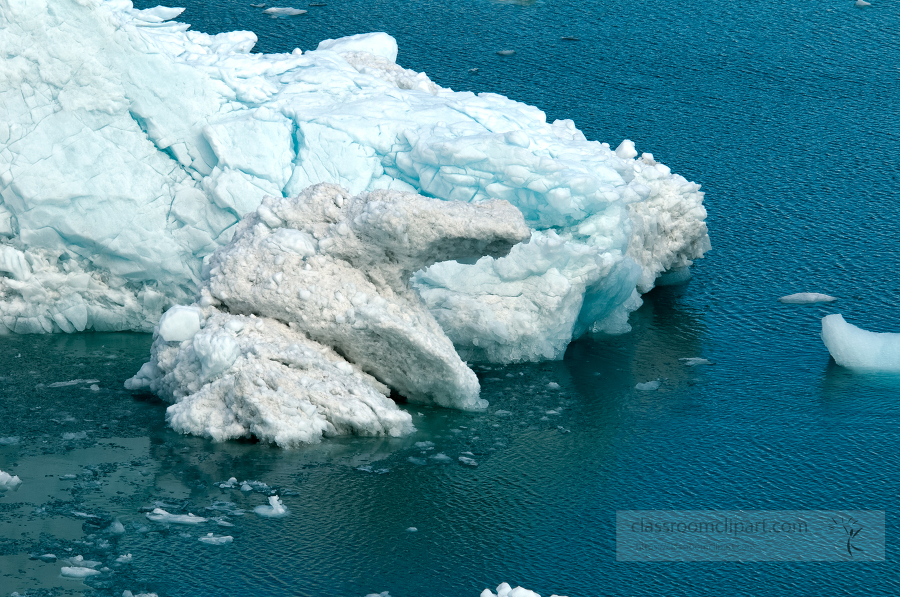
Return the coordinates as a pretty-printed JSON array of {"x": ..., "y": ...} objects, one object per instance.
[{"x": 788, "y": 114}]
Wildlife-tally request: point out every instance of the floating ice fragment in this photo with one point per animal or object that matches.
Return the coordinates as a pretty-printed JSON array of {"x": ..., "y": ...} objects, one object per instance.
[
  {"x": 275, "y": 509},
  {"x": 75, "y": 435},
  {"x": 694, "y": 361},
  {"x": 506, "y": 53},
  {"x": 424, "y": 445},
  {"x": 116, "y": 528},
  {"x": 862, "y": 3},
  {"x": 84, "y": 515},
  {"x": 502, "y": 413},
  {"x": 78, "y": 572},
  {"x": 381, "y": 594},
  {"x": 441, "y": 457},
  {"x": 504, "y": 590},
  {"x": 806, "y": 298},
  {"x": 411, "y": 530},
  {"x": 8, "y": 482},
  {"x": 467, "y": 461},
  {"x": 74, "y": 382},
  {"x": 284, "y": 11},
  {"x": 81, "y": 562},
  {"x": 95, "y": 388},
  {"x": 246, "y": 487},
  {"x": 419, "y": 461},
  {"x": 211, "y": 539},
  {"x": 856, "y": 348},
  {"x": 552, "y": 412},
  {"x": 553, "y": 385},
  {"x": 258, "y": 5},
  {"x": 125, "y": 559},
  {"x": 47, "y": 557},
  {"x": 160, "y": 515},
  {"x": 648, "y": 386},
  {"x": 9, "y": 441}
]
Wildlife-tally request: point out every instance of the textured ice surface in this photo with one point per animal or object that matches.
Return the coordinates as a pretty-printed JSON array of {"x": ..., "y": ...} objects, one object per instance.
[
  {"x": 211, "y": 539},
  {"x": 856, "y": 348},
  {"x": 307, "y": 319},
  {"x": 806, "y": 298},
  {"x": 78, "y": 572},
  {"x": 8, "y": 482},
  {"x": 275, "y": 509},
  {"x": 130, "y": 147}
]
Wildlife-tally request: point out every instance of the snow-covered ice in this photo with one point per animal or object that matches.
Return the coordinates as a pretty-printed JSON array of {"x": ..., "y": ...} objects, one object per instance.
[
  {"x": 8, "y": 482},
  {"x": 130, "y": 147},
  {"x": 307, "y": 321},
  {"x": 275, "y": 509},
  {"x": 856, "y": 348},
  {"x": 806, "y": 298}
]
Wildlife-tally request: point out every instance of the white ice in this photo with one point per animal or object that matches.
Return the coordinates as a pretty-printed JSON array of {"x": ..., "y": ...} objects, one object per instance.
[
  {"x": 694, "y": 361},
  {"x": 649, "y": 386},
  {"x": 160, "y": 515},
  {"x": 275, "y": 509},
  {"x": 130, "y": 147},
  {"x": 806, "y": 298},
  {"x": 78, "y": 572},
  {"x": 504, "y": 590},
  {"x": 284, "y": 11},
  {"x": 8, "y": 482},
  {"x": 856, "y": 348},
  {"x": 211, "y": 539}
]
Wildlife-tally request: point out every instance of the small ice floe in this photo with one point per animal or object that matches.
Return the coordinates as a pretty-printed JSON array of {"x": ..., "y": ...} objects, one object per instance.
[
  {"x": 419, "y": 461},
  {"x": 246, "y": 487},
  {"x": 504, "y": 590},
  {"x": 116, "y": 528},
  {"x": 229, "y": 484},
  {"x": 229, "y": 508},
  {"x": 473, "y": 70},
  {"x": 412, "y": 530},
  {"x": 381, "y": 594},
  {"x": 75, "y": 436},
  {"x": 160, "y": 515},
  {"x": 84, "y": 515},
  {"x": 441, "y": 457},
  {"x": 856, "y": 348},
  {"x": 862, "y": 3},
  {"x": 80, "y": 562},
  {"x": 284, "y": 11},
  {"x": 275, "y": 509},
  {"x": 74, "y": 382},
  {"x": 130, "y": 594},
  {"x": 78, "y": 572},
  {"x": 424, "y": 445},
  {"x": 377, "y": 471},
  {"x": 47, "y": 557},
  {"x": 10, "y": 441},
  {"x": 806, "y": 298},
  {"x": 211, "y": 539},
  {"x": 553, "y": 385},
  {"x": 467, "y": 461},
  {"x": 694, "y": 361},
  {"x": 125, "y": 559},
  {"x": 95, "y": 387},
  {"x": 502, "y": 413},
  {"x": 258, "y": 5},
  {"x": 648, "y": 386},
  {"x": 8, "y": 482},
  {"x": 552, "y": 412},
  {"x": 222, "y": 521},
  {"x": 506, "y": 53}
]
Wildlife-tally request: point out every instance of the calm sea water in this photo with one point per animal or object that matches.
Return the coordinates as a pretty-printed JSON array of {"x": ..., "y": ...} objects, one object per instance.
[{"x": 788, "y": 114}]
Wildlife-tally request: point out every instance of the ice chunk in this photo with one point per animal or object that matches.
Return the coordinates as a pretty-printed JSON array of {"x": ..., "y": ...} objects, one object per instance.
[
  {"x": 441, "y": 457},
  {"x": 10, "y": 441},
  {"x": 856, "y": 348},
  {"x": 379, "y": 44},
  {"x": 552, "y": 386},
  {"x": 125, "y": 559},
  {"x": 78, "y": 572},
  {"x": 180, "y": 323},
  {"x": 412, "y": 530},
  {"x": 76, "y": 435},
  {"x": 694, "y": 361},
  {"x": 275, "y": 509},
  {"x": 419, "y": 461},
  {"x": 346, "y": 288},
  {"x": 862, "y": 3},
  {"x": 648, "y": 386},
  {"x": 806, "y": 298},
  {"x": 160, "y": 515},
  {"x": 211, "y": 539},
  {"x": 505, "y": 590},
  {"x": 74, "y": 382},
  {"x": 284, "y": 11},
  {"x": 8, "y": 482},
  {"x": 467, "y": 461}
]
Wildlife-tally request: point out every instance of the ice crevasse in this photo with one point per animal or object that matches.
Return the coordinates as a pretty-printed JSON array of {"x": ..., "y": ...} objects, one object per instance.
[{"x": 130, "y": 147}]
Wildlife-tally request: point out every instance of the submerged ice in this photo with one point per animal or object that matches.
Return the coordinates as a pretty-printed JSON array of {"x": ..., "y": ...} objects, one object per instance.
[
  {"x": 130, "y": 148},
  {"x": 306, "y": 320}
]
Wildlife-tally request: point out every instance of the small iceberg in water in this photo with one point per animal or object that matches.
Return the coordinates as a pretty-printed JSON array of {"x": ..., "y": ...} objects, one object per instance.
[
  {"x": 856, "y": 348},
  {"x": 275, "y": 509},
  {"x": 806, "y": 298},
  {"x": 8, "y": 481},
  {"x": 284, "y": 11}
]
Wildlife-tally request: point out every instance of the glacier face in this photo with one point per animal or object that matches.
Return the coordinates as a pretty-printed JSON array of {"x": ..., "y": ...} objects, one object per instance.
[
  {"x": 130, "y": 147},
  {"x": 306, "y": 319}
]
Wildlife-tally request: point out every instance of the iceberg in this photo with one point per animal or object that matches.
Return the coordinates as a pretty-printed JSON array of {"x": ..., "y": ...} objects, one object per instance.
[
  {"x": 131, "y": 147},
  {"x": 806, "y": 298},
  {"x": 856, "y": 348},
  {"x": 306, "y": 320},
  {"x": 8, "y": 482}
]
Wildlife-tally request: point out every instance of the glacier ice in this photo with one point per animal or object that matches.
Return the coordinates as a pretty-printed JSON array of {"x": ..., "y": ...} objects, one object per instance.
[
  {"x": 856, "y": 348},
  {"x": 130, "y": 147},
  {"x": 8, "y": 482},
  {"x": 306, "y": 320}
]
